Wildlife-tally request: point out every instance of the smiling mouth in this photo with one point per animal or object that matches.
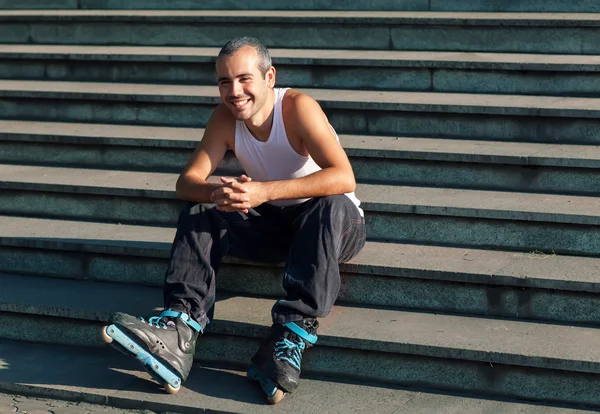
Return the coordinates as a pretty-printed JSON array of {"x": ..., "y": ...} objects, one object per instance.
[{"x": 240, "y": 103}]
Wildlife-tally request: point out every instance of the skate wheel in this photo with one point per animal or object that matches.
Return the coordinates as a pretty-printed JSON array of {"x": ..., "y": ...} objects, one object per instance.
[
  {"x": 170, "y": 389},
  {"x": 105, "y": 336},
  {"x": 277, "y": 397}
]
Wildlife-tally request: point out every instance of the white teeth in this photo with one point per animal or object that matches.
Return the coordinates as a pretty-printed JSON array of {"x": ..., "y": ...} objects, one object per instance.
[{"x": 240, "y": 103}]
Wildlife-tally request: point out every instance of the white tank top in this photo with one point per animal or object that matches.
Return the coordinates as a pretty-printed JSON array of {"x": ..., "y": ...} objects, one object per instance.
[{"x": 275, "y": 159}]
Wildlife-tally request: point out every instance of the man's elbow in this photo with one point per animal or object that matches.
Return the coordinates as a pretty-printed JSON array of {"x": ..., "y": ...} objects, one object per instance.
[
  {"x": 349, "y": 184},
  {"x": 180, "y": 187}
]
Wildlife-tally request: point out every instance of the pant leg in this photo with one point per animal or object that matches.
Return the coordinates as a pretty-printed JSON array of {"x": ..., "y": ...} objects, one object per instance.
[
  {"x": 204, "y": 235},
  {"x": 328, "y": 231}
]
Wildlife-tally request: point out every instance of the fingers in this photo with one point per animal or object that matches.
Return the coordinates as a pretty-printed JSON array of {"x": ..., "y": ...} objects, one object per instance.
[
  {"x": 229, "y": 209},
  {"x": 237, "y": 186},
  {"x": 233, "y": 183},
  {"x": 228, "y": 192},
  {"x": 232, "y": 197},
  {"x": 232, "y": 206},
  {"x": 243, "y": 178}
]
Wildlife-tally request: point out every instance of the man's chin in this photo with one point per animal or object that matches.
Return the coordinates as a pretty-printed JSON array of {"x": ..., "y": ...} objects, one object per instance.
[
  {"x": 241, "y": 115},
  {"x": 237, "y": 114}
]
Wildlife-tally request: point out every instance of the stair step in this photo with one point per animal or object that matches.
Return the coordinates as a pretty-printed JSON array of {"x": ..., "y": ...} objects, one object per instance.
[
  {"x": 374, "y": 198},
  {"x": 487, "y": 165},
  {"x": 329, "y": 98},
  {"x": 316, "y": 16},
  {"x": 408, "y": 5},
  {"x": 335, "y": 57},
  {"x": 472, "y": 116},
  {"x": 313, "y": 68},
  {"x": 572, "y": 33},
  {"x": 514, "y": 221},
  {"x": 350, "y": 339},
  {"x": 497, "y": 283},
  {"x": 51, "y": 371},
  {"x": 424, "y": 149}
]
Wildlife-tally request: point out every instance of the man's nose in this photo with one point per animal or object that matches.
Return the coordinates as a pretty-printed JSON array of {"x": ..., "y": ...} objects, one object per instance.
[{"x": 237, "y": 89}]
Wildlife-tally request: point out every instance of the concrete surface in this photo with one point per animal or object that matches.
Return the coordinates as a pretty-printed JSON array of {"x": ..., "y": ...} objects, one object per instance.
[
  {"x": 465, "y": 164},
  {"x": 559, "y": 155},
  {"x": 341, "y": 69},
  {"x": 189, "y": 111},
  {"x": 463, "y": 116},
  {"x": 531, "y": 269},
  {"x": 392, "y": 331},
  {"x": 433, "y": 5},
  {"x": 369, "y": 58},
  {"x": 328, "y": 98},
  {"x": 563, "y": 33},
  {"x": 52, "y": 372},
  {"x": 374, "y": 198}
]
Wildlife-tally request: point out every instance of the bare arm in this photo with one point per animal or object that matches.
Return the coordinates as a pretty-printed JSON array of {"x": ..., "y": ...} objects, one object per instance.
[
  {"x": 305, "y": 118},
  {"x": 218, "y": 136}
]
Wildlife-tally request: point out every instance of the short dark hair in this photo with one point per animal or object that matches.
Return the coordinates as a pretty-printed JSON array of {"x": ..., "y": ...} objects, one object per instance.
[{"x": 237, "y": 43}]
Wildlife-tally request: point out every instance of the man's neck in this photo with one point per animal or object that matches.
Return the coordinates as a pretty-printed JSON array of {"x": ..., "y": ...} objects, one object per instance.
[{"x": 261, "y": 124}]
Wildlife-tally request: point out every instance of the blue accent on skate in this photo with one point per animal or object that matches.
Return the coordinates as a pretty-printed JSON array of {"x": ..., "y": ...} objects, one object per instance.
[
  {"x": 156, "y": 321},
  {"x": 310, "y": 338},
  {"x": 184, "y": 317},
  {"x": 144, "y": 356},
  {"x": 267, "y": 385},
  {"x": 286, "y": 350}
]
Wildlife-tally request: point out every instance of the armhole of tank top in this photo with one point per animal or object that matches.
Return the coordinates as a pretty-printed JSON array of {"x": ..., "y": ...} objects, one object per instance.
[{"x": 287, "y": 139}]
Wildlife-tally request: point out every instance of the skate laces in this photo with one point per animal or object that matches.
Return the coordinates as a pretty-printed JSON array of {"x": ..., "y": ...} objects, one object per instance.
[
  {"x": 157, "y": 321},
  {"x": 169, "y": 316},
  {"x": 290, "y": 351}
]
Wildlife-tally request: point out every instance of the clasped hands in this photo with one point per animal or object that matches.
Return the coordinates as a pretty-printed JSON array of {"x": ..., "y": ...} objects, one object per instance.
[{"x": 238, "y": 195}]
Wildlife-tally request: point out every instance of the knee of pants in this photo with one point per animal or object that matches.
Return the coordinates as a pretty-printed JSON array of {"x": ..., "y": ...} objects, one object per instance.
[
  {"x": 331, "y": 202},
  {"x": 191, "y": 211}
]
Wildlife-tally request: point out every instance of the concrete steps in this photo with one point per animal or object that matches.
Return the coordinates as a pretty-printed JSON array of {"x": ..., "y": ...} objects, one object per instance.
[
  {"x": 533, "y": 74},
  {"x": 473, "y": 116},
  {"x": 50, "y": 371},
  {"x": 572, "y": 33},
  {"x": 369, "y": 344},
  {"x": 588, "y": 6},
  {"x": 474, "y": 138},
  {"x": 534, "y": 285},
  {"x": 548, "y": 168},
  {"x": 550, "y": 223}
]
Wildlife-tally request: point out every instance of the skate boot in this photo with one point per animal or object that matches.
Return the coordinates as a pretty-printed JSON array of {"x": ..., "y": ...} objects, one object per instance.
[
  {"x": 164, "y": 344},
  {"x": 276, "y": 364}
]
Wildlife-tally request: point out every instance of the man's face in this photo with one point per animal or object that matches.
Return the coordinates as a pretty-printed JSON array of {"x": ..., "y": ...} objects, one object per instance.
[{"x": 242, "y": 86}]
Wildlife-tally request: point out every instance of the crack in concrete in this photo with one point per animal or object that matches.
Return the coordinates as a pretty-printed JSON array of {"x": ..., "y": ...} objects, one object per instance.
[{"x": 406, "y": 402}]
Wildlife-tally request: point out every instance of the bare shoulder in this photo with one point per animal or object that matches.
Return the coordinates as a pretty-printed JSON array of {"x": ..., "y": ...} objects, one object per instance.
[
  {"x": 298, "y": 109},
  {"x": 221, "y": 125},
  {"x": 295, "y": 101}
]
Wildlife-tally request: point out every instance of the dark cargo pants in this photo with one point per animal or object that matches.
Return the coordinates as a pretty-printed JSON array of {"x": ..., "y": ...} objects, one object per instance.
[{"x": 312, "y": 238}]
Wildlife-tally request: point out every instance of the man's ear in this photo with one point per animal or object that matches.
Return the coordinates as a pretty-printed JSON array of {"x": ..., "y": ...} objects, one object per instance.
[{"x": 270, "y": 76}]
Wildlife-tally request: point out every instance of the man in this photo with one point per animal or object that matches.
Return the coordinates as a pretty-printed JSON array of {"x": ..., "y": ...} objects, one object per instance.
[{"x": 296, "y": 204}]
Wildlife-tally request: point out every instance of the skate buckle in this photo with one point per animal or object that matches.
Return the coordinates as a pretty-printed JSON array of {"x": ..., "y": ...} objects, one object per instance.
[
  {"x": 310, "y": 338},
  {"x": 184, "y": 317}
]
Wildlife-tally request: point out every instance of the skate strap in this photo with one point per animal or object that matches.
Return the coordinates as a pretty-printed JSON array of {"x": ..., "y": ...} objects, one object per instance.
[
  {"x": 310, "y": 338},
  {"x": 184, "y": 317}
]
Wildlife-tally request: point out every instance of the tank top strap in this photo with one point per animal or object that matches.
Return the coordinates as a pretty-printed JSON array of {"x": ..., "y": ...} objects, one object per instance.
[{"x": 278, "y": 129}]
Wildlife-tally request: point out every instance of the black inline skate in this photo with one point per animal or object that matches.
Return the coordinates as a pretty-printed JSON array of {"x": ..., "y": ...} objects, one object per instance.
[
  {"x": 276, "y": 364},
  {"x": 164, "y": 344}
]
